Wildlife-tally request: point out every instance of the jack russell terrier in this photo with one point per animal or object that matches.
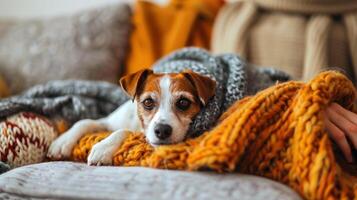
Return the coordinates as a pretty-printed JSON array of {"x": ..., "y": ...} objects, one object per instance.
[{"x": 162, "y": 106}]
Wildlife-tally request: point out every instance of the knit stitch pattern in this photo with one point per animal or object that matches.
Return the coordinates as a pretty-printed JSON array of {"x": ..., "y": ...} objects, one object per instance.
[
  {"x": 231, "y": 73},
  {"x": 69, "y": 100},
  {"x": 24, "y": 139},
  {"x": 278, "y": 133}
]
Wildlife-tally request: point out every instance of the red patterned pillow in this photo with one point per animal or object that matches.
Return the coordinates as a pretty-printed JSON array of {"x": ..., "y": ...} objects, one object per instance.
[{"x": 25, "y": 138}]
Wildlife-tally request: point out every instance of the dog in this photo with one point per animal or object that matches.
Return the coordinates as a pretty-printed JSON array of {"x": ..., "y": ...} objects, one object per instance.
[{"x": 162, "y": 106}]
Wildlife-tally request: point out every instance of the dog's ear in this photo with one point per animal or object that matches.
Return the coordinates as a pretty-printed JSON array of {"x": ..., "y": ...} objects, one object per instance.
[
  {"x": 205, "y": 86},
  {"x": 132, "y": 83}
]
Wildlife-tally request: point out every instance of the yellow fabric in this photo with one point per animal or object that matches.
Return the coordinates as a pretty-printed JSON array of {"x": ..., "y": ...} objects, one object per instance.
[
  {"x": 278, "y": 133},
  {"x": 4, "y": 90},
  {"x": 158, "y": 30},
  {"x": 61, "y": 125}
]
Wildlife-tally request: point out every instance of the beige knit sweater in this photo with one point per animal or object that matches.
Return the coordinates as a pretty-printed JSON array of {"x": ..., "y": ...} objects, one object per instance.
[{"x": 301, "y": 37}]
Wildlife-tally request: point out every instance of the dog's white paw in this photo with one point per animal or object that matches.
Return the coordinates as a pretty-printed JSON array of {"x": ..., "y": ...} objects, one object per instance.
[
  {"x": 61, "y": 148},
  {"x": 101, "y": 154}
]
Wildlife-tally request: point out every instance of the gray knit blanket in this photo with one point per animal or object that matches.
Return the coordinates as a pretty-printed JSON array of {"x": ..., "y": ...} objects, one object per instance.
[
  {"x": 74, "y": 100},
  {"x": 235, "y": 79},
  {"x": 71, "y": 100}
]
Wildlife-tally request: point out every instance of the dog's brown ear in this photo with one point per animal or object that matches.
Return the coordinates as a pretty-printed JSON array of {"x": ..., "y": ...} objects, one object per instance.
[
  {"x": 132, "y": 83},
  {"x": 205, "y": 86}
]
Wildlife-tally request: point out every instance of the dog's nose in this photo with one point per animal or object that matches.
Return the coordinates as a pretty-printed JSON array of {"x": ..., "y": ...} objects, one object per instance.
[{"x": 163, "y": 131}]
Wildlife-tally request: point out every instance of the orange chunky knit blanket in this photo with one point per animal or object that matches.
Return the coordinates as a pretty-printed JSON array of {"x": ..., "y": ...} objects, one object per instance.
[{"x": 278, "y": 133}]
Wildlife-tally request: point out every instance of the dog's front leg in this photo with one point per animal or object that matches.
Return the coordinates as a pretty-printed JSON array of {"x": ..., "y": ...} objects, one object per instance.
[
  {"x": 62, "y": 147},
  {"x": 102, "y": 153}
]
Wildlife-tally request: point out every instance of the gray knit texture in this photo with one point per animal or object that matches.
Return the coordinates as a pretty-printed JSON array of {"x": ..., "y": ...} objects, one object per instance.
[
  {"x": 234, "y": 77},
  {"x": 72, "y": 100}
]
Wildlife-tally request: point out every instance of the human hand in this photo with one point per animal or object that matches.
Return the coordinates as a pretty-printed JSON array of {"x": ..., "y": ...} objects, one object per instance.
[{"x": 341, "y": 124}]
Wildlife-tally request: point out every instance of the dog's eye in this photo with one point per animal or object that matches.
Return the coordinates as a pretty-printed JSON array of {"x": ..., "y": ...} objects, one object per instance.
[
  {"x": 183, "y": 104},
  {"x": 149, "y": 104}
]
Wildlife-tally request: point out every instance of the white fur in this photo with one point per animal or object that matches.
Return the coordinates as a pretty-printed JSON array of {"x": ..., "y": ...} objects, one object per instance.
[
  {"x": 102, "y": 152},
  {"x": 63, "y": 145},
  {"x": 123, "y": 118}
]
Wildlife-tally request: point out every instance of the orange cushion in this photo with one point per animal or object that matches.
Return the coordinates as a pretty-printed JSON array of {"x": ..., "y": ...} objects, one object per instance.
[{"x": 158, "y": 30}]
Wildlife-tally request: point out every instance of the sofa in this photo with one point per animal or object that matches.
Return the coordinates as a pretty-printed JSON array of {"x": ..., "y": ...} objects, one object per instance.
[{"x": 68, "y": 180}]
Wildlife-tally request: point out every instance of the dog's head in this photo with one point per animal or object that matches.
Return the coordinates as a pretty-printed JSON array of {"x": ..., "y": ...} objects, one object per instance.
[{"x": 167, "y": 103}]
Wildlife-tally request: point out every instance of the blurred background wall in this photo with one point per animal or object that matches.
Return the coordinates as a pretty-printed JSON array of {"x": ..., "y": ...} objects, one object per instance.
[{"x": 23, "y": 9}]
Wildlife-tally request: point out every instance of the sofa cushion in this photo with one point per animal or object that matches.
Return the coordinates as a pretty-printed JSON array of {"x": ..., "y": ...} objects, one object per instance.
[
  {"x": 68, "y": 180},
  {"x": 90, "y": 45}
]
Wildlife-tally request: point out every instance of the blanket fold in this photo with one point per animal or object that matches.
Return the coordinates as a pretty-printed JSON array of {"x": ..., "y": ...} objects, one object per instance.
[
  {"x": 71, "y": 100},
  {"x": 277, "y": 133}
]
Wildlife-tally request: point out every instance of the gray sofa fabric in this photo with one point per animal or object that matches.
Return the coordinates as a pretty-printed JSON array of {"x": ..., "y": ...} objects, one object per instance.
[
  {"x": 68, "y": 180},
  {"x": 90, "y": 45}
]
